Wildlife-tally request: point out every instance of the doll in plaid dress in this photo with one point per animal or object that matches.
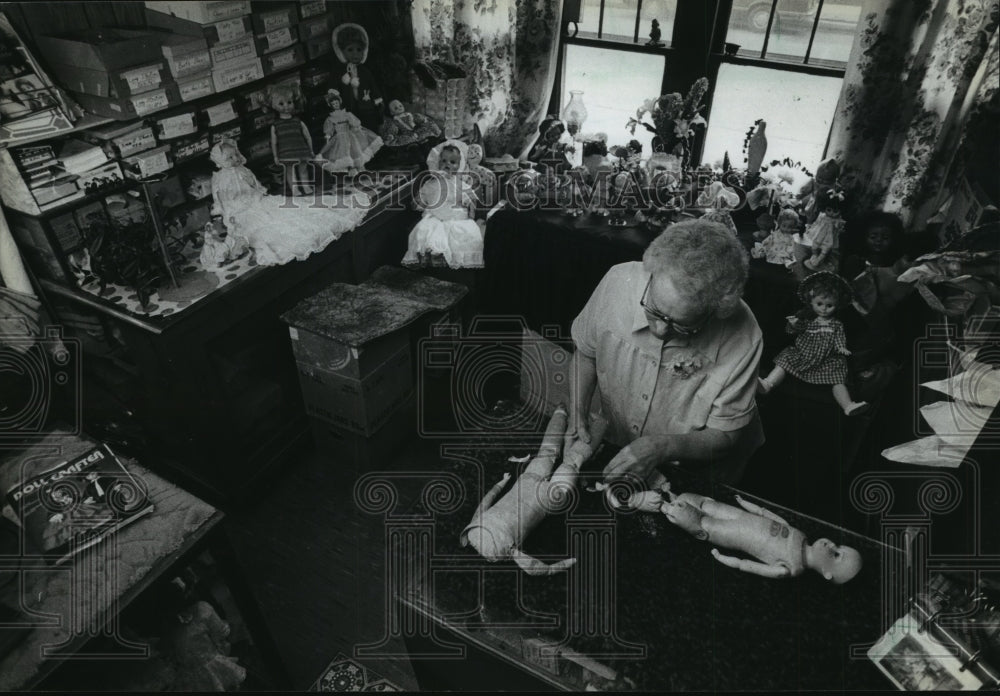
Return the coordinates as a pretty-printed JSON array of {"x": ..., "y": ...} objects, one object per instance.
[{"x": 819, "y": 355}]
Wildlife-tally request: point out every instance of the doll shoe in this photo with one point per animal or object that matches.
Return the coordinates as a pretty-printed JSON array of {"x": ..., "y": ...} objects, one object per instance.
[{"x": 859, "y": 409}]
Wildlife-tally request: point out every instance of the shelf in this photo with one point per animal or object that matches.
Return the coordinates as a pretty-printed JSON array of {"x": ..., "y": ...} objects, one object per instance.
[{"x": 85, "y": 123}]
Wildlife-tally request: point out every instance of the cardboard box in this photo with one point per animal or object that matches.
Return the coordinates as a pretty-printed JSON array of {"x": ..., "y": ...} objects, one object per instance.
[
  {"x": 174, "y": 46},
  {"x": 107, "y": 174},
  {"x": 311, "y": 8},
  {"x": 190, "y": 64},
  {"x": 314, "y": 27},
  {"x": 354, "y": 362},
  {"x": 258, "y": 121},
  {"x": 121, "y": 140},
  {"x": 146, "y": 164},
  {"x": 226, "y": 31},
  {"x": 167, "y": 192},
  {"x": 220, "y": 113},
  {"x": 196, "y": 86},
  {"x": 107, "y": 49},
  {"x": 276, "y": 40},
  {"x": 265, "y": 20},
  {"x": 229, "y": 76},
  {"x": 234, "y": 132},
  {"x": 360, "y": 406},
  {"x": 66, "y": 232},
  {"x": 317, "y": 47},
  {"x": 116, "y": 84},
  {"x": 283, "y": 60},
  {"x": 190, "y": 147},
  {"x": 354, "y": 453},
  {"x": 253, "y": 99},
  {"x": 258, "y": 148},
  {"x": 176, "y": 126},
  {"x": 128, "y": 108},
  {"x": 239, "y": 51},
  {"x": 202, "y": 12}
]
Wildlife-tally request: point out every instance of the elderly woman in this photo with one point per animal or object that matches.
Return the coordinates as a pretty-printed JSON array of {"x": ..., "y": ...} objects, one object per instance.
[{"x": 675, "y": 353}]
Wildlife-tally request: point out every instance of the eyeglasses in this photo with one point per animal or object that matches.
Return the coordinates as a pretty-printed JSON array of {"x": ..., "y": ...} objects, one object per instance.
[{"x": 672, "y": 326}]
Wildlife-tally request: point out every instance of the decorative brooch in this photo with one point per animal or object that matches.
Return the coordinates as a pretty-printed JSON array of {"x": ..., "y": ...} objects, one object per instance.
[{"x": 686, "y": 367}]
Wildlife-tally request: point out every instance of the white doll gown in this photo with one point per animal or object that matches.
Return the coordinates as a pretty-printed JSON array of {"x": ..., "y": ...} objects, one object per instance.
[
  {"x": 279, "y": 229},
  {"x": 446, "y": 227}
]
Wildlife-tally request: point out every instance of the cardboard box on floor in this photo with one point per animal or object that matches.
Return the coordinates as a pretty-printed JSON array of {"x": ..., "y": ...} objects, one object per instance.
[{"x": 351, "y": 451}]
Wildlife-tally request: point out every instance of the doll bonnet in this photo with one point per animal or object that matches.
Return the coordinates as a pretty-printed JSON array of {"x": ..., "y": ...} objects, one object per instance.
[
  {"x": 828, "y": 281},
  {"x": 221, "y": 151},
  {"x": 347, "y": 34},
  {"x": 434, "y": 157}
]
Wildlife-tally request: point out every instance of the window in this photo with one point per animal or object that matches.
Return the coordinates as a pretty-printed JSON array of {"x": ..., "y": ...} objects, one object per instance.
[{"x": 784, "y": 61}]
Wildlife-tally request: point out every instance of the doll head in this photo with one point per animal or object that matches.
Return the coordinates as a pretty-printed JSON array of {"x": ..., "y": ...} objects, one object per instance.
[
  {"x": 396, "y": 107},
  {"x": 788, "y": 221},
  {"x": 283, "y": 100},
  {"x": 350, "y": 43},
  {"x": 824, "y": 293},
  {"x": 883, "y": 236},
  {"x": 225, "y": 154},
  {"x": 333, "y": 99},
  {"x": 838, "y": 564},
  {"x": 474, "y": 155},
  {"x": 831, "y": 201},
  {"x": 551, "y": 129},
  {"x": 448, "y": 157}
]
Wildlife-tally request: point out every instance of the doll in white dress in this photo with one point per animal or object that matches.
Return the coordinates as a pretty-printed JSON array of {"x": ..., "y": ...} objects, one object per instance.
[
  {"x": 447, "y": 230},
  {"x": 279, "y": 228},
  {"x": 349, "y": 145}
]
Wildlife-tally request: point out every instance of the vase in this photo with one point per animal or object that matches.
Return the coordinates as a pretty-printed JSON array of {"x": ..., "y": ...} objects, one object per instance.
[{"x": 574, "y": 113}]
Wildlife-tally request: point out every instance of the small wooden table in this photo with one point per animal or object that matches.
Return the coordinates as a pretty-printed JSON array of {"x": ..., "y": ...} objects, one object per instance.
[{"x": 83, "y": 599}]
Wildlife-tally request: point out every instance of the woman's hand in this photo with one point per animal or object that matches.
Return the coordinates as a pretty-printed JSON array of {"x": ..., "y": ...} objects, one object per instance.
[
  {"x": 638, "y": 458},
  {"x": 577, "y": 428}
]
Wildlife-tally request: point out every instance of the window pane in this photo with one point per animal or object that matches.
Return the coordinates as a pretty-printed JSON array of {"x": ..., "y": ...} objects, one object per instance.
[
  {"x": 610, "y": 99},
  {"x": 747, "y": 25},
  {"x": 838, "y": 24},
  {"x": 590, "y": 14},
  {"x": 798, "y": 109},
  {"x": 619, "y": 20}
]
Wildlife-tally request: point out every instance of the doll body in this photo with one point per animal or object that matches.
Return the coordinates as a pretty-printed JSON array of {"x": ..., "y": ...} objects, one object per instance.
[
  {"x": 447, "y": 228},
  {"x": 349, "y": 146},
  {"x": 824, "y": 238},
  {"x": 780, "y": 549},
  {"x": 291, "y": 144},
  {"x": 278, "y": 228},
  {"x": 360, "y": 91},
  {"x": 779, "y": 246}
]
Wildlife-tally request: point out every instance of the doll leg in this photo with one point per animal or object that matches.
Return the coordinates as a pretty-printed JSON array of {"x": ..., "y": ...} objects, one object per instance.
[
  {"x": 766, "y": 384},
  {"x": 686, "y": 516},
  {"x": 302, "y": 183},
  {"x": 850, "y": 407}
]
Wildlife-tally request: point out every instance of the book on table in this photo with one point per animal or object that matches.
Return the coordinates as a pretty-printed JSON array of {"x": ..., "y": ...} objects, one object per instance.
[{"x": 77, "y": 504}]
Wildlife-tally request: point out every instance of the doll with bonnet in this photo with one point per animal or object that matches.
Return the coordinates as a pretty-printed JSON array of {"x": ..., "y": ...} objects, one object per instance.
[
  {"x": 278, "y": 228},
  {"x": 447, "y": 230},
  {"x": 361, "y": 94}
]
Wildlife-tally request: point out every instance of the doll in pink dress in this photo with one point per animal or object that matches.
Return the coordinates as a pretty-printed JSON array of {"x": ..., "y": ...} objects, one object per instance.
[
  {"x": 349, "y": 146},
  {"x": 819, "y": 355},
  {"x": 447, "y": 231}
]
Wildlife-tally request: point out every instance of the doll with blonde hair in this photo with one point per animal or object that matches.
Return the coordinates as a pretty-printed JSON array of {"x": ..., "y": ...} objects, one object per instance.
[
  {"x": 447, "y": 231},
  {"x": 291, "y": 144}
]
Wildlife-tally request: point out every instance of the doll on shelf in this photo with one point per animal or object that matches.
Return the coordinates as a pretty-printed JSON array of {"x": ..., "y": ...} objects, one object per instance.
[
  {"x": 823, "y": 235},
  {"x": 879, "y": 243},
  {"x": 362, "y": 96},
  {"x": 349, "y": 145},
  {"x": 779, "y": 246},
  {"x": 291, "y": 144},
  {"x": 279, "y": 229},
  {"x": 403, "y": 118},
  {"x": 819, "y": 355},
  {"x": 780, "y": 550},
  {"x": 404, "y": 128},
  {"x": 447, "y": 234}
]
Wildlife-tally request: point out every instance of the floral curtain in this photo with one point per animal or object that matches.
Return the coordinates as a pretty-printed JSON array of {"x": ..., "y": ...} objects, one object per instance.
[
  {"x": 918, "y": 71},
  {"x": 508, "y": 49}
]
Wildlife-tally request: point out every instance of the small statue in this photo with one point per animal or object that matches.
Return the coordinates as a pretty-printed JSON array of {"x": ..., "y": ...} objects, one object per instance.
[
  {"x": 654, "y": 35},
  {"x": 782, "y": 551}
]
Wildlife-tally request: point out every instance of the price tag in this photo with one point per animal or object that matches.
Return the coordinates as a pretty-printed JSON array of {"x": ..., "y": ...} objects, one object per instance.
[
  {"x": 144, "y": 78},
  {"x": 135, "y": 142},
  {"x": 193, "y": 89},
  {"x": 191, "y": 63},
  {"x": 276, "y": 20},
  {"x": 230, "y": 30},
  {"x": 223, "y": 9},
  {"x": 150, "y": 102},
  {"x": 235, "y": 51},
  {"x": 313, "y": 7},
  {"x": 279, "y": 38},
  {"x": 220, "y": 113},
  {"x": 176, "y": 126}
]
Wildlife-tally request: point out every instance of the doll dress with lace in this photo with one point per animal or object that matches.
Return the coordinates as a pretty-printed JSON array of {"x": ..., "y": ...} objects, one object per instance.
[
  {"x": 350, "y": 144},
  {"x": 817, "y": 355},
  {"x": 446, "y": 227},
  {"x": 280, "y": 230}
]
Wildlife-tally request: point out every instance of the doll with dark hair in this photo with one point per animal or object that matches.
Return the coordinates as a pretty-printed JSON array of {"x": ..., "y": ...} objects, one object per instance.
[
  {"x": 549, "y": 151},
  {"x": 360, "y": 92},
  {"x": 819, "y": 355},
  {"x": 877, "y": 242}
]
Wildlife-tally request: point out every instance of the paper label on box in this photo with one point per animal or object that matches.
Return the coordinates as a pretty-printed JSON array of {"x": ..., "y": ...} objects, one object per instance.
[
  {"x": 313, "y": 7},
  {"x": 316, "y": 29},
  {"x": 235, "y": 51},
  {"x": 196, "y": 88},
  {"x": 176, "y": 126},
  {"x": 223, "y": 9},
  {"x": 191, "y": 63},
  {"x": 281, "y": 60},
  {"x": 135, "y": 142},
  {"x": 145, "y": 78},
  {"x": 231, "y": 30},
  {"x": 256, "y": 99},
  {"x": 154, "y": 163},
  {"x": 148, "y": 103},
  {"x": 240, "y": 75},
  {"x": 233, "y": 133},
  {"x": 220, "y": 113},
  {"x": 279, "y": 38},
  {"x": 189, "y": 150},
  {"x": 276, "y": 20}
]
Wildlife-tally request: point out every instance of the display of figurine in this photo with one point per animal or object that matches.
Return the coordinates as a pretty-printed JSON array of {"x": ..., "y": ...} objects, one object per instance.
[
  {"x": 779, "y": 245},
  {"x": 349, "y": 145},
  {"x": 819, "y": 354},
  {"x": 654, "y": 34},
  {"x": 361, "y": 93},
  {"x": 551, "y": 149},
  {"x": 447, "y": 231},
  {"x": 822, "y": 237},
  {"x": 484, "y": 182},
  {"x": 404, "y": 128},
  {"x": 291, "y": 144},
  {"x": 780, "y": 550},
  {"x": 217, "y": 251},
  {"x": 278, "y": 228},
  {"x": 499, "y": 527}
]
